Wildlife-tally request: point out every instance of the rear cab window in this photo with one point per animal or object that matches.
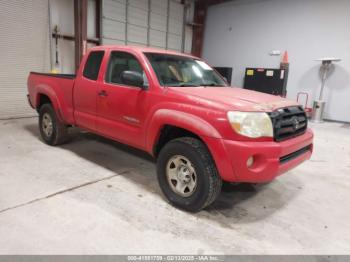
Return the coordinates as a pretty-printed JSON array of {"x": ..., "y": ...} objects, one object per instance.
[{"x": 93, "y": 64}]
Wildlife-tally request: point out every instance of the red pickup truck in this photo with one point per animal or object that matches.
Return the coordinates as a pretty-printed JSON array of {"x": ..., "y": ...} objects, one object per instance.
[{"x": 177, "y": 108}]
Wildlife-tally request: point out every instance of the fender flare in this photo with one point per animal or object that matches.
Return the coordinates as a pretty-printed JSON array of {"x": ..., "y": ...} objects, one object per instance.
[
  {"x": 47, "y": 91},
  {"x": 180, "y": 119}
]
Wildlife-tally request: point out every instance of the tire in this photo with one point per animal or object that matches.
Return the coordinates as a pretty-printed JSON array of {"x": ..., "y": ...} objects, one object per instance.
[
  {"x": 183, "y": 157},
  {"x": 59, "y": 131}
]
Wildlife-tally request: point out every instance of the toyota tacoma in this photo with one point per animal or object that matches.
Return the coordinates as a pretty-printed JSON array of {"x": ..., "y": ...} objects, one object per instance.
[{"x": 201, "y": 131}]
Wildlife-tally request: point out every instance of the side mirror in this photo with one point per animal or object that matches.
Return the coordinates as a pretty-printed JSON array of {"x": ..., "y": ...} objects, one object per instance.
[{"x": 132, "y": 78}]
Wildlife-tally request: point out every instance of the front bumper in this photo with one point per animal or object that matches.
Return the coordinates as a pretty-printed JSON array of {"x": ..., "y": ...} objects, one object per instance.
[{"x": 270, "y": 158}]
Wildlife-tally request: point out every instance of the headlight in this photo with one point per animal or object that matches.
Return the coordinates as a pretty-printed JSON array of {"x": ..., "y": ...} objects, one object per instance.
[{"x": 251, "y": 124}]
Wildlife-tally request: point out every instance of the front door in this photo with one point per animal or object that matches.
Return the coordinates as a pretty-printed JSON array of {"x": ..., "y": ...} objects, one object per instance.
[{"x": 121, "y": 108}]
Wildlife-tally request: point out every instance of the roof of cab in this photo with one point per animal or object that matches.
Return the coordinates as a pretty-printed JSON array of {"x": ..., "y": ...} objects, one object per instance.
[{"x": 141, "y": 49}]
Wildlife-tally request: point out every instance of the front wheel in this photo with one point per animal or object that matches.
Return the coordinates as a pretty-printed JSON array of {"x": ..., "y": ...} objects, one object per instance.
[
  {"x": 187, "y": 174},
  {"x": 52, "y": 130}
]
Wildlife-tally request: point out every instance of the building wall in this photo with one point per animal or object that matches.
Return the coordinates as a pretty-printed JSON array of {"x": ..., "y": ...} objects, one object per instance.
[
  {"x": 113, "y": 26},
  {"x": 62, "y": 15},
  {"x": 242, "y": 33},
  {"x": 24, "y": 45},
  {"x": 156, "y": 23}
]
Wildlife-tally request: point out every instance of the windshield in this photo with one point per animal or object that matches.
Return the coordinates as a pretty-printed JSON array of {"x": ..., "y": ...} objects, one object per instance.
[{"x": 174, "y": 70}]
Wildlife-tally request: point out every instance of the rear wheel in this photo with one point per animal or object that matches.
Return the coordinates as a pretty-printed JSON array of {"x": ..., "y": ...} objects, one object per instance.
[
  {"x": 187, "y": 174},
  {"x": 52, "y": 130}
]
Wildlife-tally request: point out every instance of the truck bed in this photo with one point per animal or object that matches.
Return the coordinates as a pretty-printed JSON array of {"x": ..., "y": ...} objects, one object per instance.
[
  {"x": 57, "y": 87},
  {"x": 68, "y": 76}
]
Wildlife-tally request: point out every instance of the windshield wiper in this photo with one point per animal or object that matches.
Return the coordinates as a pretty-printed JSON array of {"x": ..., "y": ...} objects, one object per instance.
[
  {"x": 194, "y": 85},
  {"x": 210, "y": 84},
  {"x": 187, "y": 85}
]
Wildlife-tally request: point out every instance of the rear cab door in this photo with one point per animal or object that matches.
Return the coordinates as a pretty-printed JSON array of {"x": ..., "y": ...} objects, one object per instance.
[{"x": 86, "y": 89}]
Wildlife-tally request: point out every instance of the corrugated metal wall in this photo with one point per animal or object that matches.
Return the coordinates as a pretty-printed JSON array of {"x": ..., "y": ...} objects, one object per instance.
[
  {"x": 24, "y": 46},
  {"x": 25, "y": 39},
  {"x": 157, "y": 23}
]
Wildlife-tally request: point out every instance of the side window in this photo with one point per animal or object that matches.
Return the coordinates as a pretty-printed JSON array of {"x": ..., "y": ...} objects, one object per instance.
[
  {"x": 93, "y": 64},
  {"x": 120, "y": 62}
]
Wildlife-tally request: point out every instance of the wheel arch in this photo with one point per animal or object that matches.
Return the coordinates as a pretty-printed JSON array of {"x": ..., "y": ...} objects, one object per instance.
[
  {"x": 192, "y": 126},
  {"x": 169, "y": 124},
  {"x": 41, "y": 100},
  {"x": 168, "y": 133},
  {"x": 44, "y": 97}
]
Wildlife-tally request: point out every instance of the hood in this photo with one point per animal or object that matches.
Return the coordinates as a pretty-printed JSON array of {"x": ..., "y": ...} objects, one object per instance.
[{"x": 236, "y": 98}]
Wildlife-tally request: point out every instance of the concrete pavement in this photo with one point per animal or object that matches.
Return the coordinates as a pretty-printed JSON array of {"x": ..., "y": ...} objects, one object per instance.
[{"x": 95, "y": 196}]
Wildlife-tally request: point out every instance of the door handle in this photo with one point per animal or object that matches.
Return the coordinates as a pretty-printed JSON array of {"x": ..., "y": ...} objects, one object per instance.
[{"x": 102, "y": 93}]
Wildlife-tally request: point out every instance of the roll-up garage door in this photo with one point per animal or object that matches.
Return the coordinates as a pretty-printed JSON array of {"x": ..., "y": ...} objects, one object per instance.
[
  {"x": 24, "y": 45},
  {"x": 156, "y": 23}
]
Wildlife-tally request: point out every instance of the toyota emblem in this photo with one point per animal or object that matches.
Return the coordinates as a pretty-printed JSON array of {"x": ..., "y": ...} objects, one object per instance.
[{"x": 295, "y": 122}]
